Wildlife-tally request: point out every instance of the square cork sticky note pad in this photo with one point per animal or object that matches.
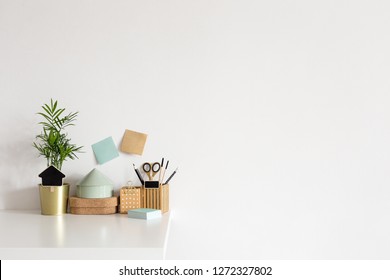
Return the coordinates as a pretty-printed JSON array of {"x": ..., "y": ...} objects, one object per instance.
[{"x": 133, "y": 142}]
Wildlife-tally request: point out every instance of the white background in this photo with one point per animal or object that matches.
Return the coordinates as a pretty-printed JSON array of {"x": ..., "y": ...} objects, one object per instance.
[{"x": 275, "y": 112}]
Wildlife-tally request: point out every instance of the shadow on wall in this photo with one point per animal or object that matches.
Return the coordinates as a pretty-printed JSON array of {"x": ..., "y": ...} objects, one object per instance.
[{"x": 72, "y": 180}]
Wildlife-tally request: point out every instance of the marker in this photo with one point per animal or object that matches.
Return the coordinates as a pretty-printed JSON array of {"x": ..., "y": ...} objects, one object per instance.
[
  {"x": 139, "y": 175},
  {"x": 170, "y": 177}
]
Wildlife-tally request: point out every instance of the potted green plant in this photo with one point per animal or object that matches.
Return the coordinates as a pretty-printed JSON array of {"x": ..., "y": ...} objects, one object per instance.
[{"x": 54, "y": 144}]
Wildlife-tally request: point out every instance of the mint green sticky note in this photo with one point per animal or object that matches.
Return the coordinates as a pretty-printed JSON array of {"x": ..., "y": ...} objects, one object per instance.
[{"x": 105, "y": 150}]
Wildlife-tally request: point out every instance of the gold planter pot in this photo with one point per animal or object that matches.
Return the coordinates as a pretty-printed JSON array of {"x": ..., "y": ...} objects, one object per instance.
[{"x": 54, "y": 199}]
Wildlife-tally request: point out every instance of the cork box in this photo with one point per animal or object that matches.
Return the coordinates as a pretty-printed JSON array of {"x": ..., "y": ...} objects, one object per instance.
[{"x": 93, "y": 206}]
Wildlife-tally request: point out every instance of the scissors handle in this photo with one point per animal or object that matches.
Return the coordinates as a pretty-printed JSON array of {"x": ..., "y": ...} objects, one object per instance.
[
  {"x": 156, "y": 167},
  {"x": 151, "y": 169}
]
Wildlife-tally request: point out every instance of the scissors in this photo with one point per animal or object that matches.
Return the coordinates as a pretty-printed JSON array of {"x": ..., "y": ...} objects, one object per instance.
[{"x": 151, "y": 169}]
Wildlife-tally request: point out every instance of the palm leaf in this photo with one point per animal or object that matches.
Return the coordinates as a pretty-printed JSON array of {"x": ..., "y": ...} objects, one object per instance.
[{"x": 53, "y": 143}]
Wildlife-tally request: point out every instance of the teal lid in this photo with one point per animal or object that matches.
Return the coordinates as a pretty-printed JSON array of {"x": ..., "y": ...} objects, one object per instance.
[{"x": 95, "y": 178}]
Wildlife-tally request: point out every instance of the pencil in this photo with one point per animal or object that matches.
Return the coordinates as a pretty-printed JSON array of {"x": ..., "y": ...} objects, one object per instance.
[
  {"x": 170, "y": 177},
  {"x": 139, "y": 175}
]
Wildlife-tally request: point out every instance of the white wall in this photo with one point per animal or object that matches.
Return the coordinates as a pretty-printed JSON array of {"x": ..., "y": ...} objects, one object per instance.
[{"x": 276, "y": 113}]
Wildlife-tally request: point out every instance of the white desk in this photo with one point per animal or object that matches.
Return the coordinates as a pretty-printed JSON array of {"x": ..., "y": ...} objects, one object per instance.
[{"x": 30, "y": 235}]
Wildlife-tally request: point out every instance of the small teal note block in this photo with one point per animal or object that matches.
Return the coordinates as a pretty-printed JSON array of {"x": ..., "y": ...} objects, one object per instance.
[{"x": 105, "y": 150}]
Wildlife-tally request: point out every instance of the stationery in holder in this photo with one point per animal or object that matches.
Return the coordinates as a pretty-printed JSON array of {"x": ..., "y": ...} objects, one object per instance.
[{"x": 151, "y": 169}]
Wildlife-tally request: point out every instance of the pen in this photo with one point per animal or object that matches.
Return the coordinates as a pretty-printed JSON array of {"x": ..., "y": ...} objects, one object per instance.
[
  {"x": 139, "y": 175},
  {"x": 166, "y": 166},
  {"x": 170, "y": 177},
  {"x": 161, "y": 170}
]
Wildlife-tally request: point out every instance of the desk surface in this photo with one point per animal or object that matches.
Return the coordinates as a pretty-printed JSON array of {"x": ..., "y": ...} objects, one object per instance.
[{"x": 30, "y": 235}]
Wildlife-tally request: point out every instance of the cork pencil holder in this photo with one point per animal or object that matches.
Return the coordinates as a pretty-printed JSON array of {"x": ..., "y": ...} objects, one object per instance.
[
  {"x": 140, "y": 197},
  {"x": 157, "y": 198}
]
